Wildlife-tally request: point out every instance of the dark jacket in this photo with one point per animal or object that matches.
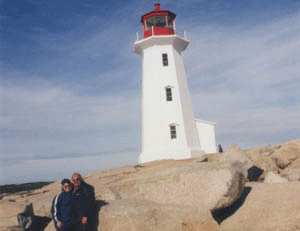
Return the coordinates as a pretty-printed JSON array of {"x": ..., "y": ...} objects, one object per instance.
[
  {"x": 62, "y": 209},
  {"x": 84, "y": 200}
]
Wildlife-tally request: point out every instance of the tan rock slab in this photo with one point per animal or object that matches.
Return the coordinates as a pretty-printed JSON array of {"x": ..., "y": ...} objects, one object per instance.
[
  {"x": 287, "y": 153},
  {"x": 273, "y": 178},
  {"x": 130, "y": 215},
  {"x": 207, "y": 185},
  {"x": 8, "y": 213},
  {"x": 267, "y": 207}
]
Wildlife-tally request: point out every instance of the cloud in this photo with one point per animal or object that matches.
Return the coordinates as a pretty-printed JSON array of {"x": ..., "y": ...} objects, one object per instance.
[
  {"x": 57, "y": 169},
  {"x": 82, "y": 99},
  {"x": 53, "y": 121},
  {"x": 247, "y": 80}
]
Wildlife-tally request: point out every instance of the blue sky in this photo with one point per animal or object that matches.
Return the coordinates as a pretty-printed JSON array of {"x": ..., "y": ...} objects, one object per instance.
[{"x": 70, "y": 84}]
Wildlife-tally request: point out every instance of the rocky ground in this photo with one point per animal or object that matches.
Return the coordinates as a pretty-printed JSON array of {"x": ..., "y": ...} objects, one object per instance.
[{"x": 253, "y": 189}]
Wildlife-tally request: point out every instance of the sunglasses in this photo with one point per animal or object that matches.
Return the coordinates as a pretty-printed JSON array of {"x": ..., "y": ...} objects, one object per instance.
[
  {"x": 76, "y": 179},
  {"x": 67, "y": 186}
]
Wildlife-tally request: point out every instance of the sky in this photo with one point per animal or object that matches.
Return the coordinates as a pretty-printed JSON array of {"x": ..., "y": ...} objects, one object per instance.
[{"x": 70, "y": 83}]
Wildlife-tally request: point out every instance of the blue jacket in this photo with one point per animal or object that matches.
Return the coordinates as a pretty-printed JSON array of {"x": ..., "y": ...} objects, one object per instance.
[{"x": 62, "y": 209}]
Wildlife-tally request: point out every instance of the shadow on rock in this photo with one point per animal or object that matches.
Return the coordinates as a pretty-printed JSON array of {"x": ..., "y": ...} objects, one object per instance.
[
  {"x": 41, "y": 222},
  {"x": 95, "y": 219},
  {"x": 222, "y": 214},
  {"x": 254, "y": 173}
]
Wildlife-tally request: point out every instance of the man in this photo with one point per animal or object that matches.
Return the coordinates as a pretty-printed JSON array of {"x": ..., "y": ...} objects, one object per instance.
[
  {"x": 84, "y": 200},
  {"x": 62, "y": 210}
]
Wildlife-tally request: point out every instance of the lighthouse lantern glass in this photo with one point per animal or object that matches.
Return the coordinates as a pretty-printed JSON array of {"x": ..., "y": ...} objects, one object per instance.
[
  {"x": 149, "y": 23},
  {"x": 170, "y": 22},
  {"x": 160, "y": 21}
]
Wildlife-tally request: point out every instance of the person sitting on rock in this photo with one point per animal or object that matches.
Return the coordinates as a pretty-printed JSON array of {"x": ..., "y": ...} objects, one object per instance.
[
  {"x": 62, "y": 211},
  {"x": 220, "y": 148},
  {"x": 85, "y": 205}
]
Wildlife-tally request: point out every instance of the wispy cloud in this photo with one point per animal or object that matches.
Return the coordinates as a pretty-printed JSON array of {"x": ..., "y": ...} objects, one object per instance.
[
  {"x": 53, "y": 121},
  {"x": 82, "y": 97},
  {"x": 247, "y": 80}
]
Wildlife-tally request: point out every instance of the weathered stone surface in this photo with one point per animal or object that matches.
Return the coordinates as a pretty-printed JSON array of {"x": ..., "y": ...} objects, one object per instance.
[
  {"x": 120, "y": 215},
  {"x": 264, "y": 162},
  {"x": 234, "y": 148},
  {"x": 292, "y": 172},
  {"x": 185, "y": 184},
  {"x": 239, "y": 159},
  {"x": 268, "y": 207},
  {"x": 295, "y": 164},
  {"x": 286, "y": 154},
  {"x": 8, "y": 213},
  {"x": 273, "y": 178}
]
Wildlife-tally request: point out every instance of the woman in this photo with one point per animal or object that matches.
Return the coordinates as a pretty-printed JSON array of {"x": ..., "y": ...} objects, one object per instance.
[{"x": 61, "y": 210}]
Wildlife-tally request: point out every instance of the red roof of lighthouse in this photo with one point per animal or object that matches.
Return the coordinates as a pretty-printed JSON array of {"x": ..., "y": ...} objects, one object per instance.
[
  {"x": 158, "y": 22},
  {"x": 157, "y": 11}
]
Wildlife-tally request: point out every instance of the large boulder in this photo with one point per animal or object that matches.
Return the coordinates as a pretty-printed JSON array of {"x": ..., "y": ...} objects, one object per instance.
[
  {"x": 209, "y": 186},
  {"x": 286, "y": 153},
  {"x": 262, "y": 159},
  {"x": 292, "y": 172},
  {"x": 8, "y": 213},
  {"x": 120, "y": 215},
  {"x": 273, "y": 178},
  {"x": 238, "y": 158},
  {"x": 267, "y": 207}
]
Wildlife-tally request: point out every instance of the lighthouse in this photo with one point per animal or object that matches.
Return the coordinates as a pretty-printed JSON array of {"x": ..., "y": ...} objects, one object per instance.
[{"x": 169, "y": 130}]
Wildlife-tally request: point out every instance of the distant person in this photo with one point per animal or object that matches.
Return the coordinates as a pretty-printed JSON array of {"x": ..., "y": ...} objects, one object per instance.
[
  {"x": 220, "y": 148},
  {"x": 85, "y": 205},
  {"x": 62, "y": 210}
]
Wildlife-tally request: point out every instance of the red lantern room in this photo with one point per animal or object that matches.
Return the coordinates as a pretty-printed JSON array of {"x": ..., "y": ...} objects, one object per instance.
[{"x": 158, "y": 22}]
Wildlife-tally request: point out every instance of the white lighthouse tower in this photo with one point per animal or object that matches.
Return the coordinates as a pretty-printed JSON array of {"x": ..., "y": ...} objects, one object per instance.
[{"x": 169, "y": 130}]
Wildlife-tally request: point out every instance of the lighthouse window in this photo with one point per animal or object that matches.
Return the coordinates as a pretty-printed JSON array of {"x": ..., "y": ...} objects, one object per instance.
[
  {"x": 173, "y": 132},
  {"x": 169, "y": 94},
  {"x": 160, "y": 21},
  {"x": 149, "y": 23},
  {"x": 165, "y": 59},
  {"x": 170, "y": 22}
]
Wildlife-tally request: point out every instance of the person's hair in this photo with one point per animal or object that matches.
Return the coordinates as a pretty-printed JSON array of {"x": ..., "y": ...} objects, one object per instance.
[
  {"x": 66, "y": 181},
  {"x": 77, "y": 174}
]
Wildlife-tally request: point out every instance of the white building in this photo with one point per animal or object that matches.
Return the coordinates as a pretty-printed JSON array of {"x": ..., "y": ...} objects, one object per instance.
[{"x": 169, "y": 130}]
